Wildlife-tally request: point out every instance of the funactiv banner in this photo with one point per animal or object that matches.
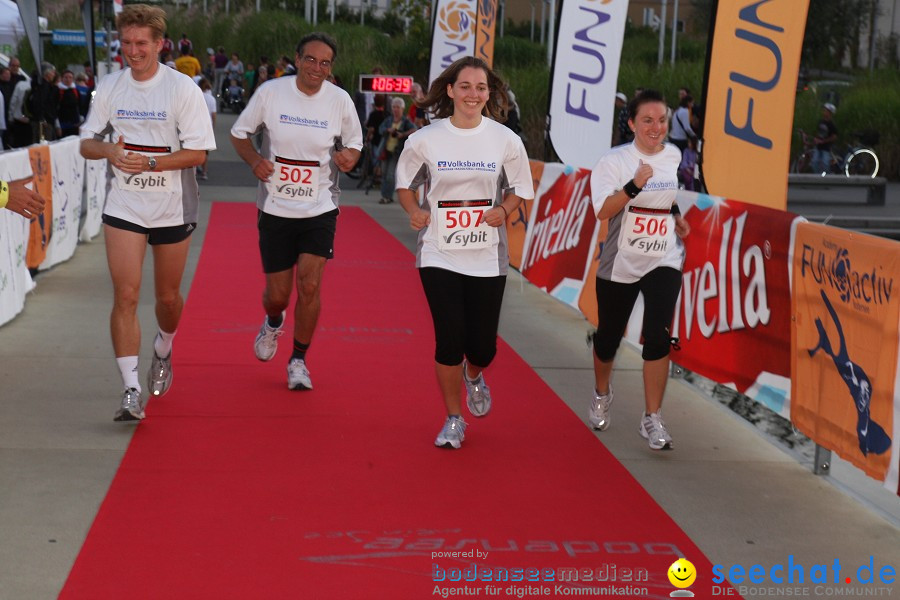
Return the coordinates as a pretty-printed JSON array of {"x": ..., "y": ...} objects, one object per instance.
[
  {"x": 844, "y": 337},
  {"x": 751, "y": 80},
  {"x": 453, "y": 34},
  {"x": 583, "y": 80}
]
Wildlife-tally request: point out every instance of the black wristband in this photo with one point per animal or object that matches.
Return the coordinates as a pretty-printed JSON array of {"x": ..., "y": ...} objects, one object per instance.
[
  {"x": 631, "y": 189},
  {"x": 675, "y": 210}
]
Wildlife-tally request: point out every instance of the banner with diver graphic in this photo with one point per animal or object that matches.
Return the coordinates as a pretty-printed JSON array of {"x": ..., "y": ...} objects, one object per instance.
[{"x": 844, "y": 346}]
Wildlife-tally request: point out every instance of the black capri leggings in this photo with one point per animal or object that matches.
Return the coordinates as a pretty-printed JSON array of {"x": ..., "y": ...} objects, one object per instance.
[
  {"x": 466, "y": 313},
  {"x": 615, "y": 302}
]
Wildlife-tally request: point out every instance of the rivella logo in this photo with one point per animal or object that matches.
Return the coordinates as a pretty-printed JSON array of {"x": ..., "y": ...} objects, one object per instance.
[{"x": 456, "y": 19}]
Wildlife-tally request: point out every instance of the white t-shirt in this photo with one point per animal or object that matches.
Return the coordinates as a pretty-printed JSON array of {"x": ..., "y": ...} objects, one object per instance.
[
  {"x": 642, "y": 235},
  {"x": 464, "y": 170},
  {"x": 299, "y": 136},
  {"x": 210, "y": 102},
  {"x": 155, "y": 117}
]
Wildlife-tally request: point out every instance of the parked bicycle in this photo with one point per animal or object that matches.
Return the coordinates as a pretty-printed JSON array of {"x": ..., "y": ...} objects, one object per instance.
[{"x": 860, "y": 159}]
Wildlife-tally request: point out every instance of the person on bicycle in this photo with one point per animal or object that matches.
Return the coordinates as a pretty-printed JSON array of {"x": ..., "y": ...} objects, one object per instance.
[{"x": 826, "y": 134}]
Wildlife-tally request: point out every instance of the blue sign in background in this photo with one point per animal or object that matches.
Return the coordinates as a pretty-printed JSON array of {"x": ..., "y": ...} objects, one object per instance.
[{"x": 76, "y": 37}]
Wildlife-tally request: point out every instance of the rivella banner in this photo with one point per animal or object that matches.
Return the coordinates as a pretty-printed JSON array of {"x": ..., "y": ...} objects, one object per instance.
[
  {"x": 735, "y": 300},
  {"x": 583, "y": 82},
  {"x": 453, "y": 34},
  {"x": 844, "y": 346},
  {"x": 751, "y": 81},
  {"x": 561, "y": 235}
]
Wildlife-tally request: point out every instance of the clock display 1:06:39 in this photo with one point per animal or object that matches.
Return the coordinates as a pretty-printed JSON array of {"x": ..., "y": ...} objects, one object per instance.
[{"x": 396, "y": 84}]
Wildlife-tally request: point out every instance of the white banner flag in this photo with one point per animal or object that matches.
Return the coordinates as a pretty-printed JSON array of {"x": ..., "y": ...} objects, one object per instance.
[
  {"x": 585, "y": 71},
  {"x": 453, "y": 34}
]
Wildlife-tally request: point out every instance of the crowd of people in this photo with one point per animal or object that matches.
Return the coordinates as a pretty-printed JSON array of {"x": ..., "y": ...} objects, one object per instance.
[{"x": 459, "y": 213}]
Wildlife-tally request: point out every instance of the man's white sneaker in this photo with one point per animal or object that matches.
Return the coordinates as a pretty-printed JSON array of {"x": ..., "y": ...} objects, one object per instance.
[
  {"x": 266, "y": 343},
  {"x": 131, "y": 409},
  {"x": 599, "y": 413},
  {"x": 654, "y": 431},
  {"x": 159, "y": 378},
  {"x": 298, "y": 375}
]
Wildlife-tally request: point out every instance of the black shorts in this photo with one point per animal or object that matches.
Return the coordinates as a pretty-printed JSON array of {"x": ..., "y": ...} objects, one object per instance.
[
  {"x": 155, "y": 235},
  {"x": 283, "y": 240},
  {"x": 465, "y": 311}
]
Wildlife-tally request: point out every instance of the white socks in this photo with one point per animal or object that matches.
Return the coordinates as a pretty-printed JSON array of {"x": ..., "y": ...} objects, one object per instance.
[
  {"x": 128, "y": 367},
  {"x": 162, "y": 344}
]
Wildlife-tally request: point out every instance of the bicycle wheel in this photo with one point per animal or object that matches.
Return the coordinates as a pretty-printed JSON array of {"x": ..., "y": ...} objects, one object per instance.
[{"x": 861, "y": 162}]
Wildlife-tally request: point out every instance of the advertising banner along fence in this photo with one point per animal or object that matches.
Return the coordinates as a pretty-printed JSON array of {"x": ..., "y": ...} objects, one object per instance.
[
  {"x": 844, "y": 346},
  {"x": 735, "y": 301}
]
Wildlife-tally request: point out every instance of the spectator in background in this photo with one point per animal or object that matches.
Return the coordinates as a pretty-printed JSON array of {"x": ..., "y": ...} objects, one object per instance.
[
  {"x": 249, "y": 76},
  {"x": 512, "y": 114},
  {"x": 185, "y": 46},
  {"x": 394, "y": 131},
  {"x": 209, "y": 69},
  {"x": 416, "y": 113},
  {"x": 84, "y": 94},
  {"x": 14, "y": 69},
  {"x": 221, "y": 60},
  {"x": 621, "y": 129},
  {"x": 115, "y": 48},
  {"x": 168, "y": 47},
  {"x": 206, "y": 88},
  {"x": 44, "y": 104},
  {"x": 826, "y": 135},
  {"x": 681, "y": 132},
  {"x": 287, "y": 67},
  {"x": 19, "y": 126},
  {"x": 89, "y": 75},
  {"x": 188, "y": 64},
  {"x": 6, "y": 90},
  {"x": 69, "y": 112},
  {"x": 234, "y": 69}
]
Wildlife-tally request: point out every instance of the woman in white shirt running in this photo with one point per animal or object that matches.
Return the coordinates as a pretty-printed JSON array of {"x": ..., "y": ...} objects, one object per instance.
[
  {"x": 634, "y": 186},
  {"x": 476, "y": 173}
]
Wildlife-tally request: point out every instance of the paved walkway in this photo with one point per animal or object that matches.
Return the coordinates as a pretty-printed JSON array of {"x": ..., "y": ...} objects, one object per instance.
[{"x": 742, "y": 499}]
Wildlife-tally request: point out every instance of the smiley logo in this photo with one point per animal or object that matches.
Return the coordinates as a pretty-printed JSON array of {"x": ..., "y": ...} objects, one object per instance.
[{"x": 682, "y": 573}]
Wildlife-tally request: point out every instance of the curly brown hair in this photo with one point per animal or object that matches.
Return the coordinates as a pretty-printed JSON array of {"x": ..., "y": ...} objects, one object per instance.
[{"x": 440, "y": 104}]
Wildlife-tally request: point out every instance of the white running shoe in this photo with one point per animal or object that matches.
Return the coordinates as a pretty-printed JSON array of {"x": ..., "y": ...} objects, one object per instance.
[
  {"x": 159, "y": 378},
  {"x": 298, "y": 375},
  {"x": 599, "y": 413},
  {"x": 654, "y": 431},
  {"x": 266, "y": 343},
  {"x": 131, "y": 409},
  {"x": 478, "y": 394},
  {"x": 452, "y": 433}
]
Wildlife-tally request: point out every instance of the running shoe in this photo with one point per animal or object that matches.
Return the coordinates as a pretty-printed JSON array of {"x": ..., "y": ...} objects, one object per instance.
[
  {"x": 478, "y": 394},
  {"x": 132, "y": 409},
  {"x": 654, "y": 431},
  {"x": 266, "y": 343},
  {"x": 298, "y": 375},
  {"x": 452, "y": 433},
  {"x": 599, "y": 414},
  {"x": 159, "y": 377}
]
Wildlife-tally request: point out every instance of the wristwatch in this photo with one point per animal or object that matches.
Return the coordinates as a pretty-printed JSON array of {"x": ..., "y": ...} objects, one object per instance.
[{"x": 151, "y": 162}]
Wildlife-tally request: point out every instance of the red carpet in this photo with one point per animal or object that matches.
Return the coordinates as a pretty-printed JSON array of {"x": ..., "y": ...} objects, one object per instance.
[{"x": 235, "y": 487}]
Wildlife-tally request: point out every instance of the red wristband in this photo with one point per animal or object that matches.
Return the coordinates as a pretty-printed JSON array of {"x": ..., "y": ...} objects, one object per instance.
[{"x": 504, "y": 211}]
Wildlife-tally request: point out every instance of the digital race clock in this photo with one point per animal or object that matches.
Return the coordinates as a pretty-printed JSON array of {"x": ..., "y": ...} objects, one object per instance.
[{"x": 386, "y": 84}]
